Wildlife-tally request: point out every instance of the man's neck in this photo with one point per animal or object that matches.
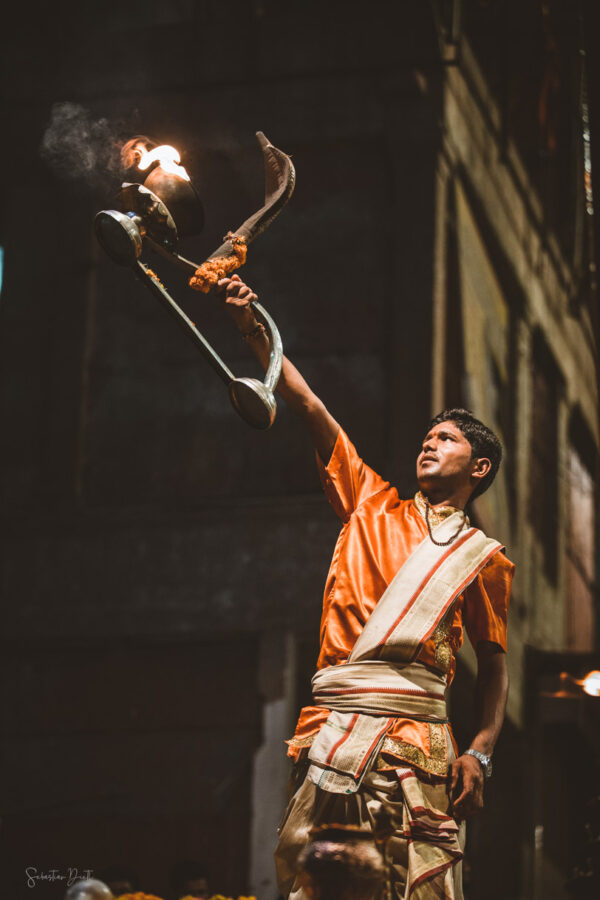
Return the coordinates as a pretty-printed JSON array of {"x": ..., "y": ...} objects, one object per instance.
[{"x": 437, "y": 499}]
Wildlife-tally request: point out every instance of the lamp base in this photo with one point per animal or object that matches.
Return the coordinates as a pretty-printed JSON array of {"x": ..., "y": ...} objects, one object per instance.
[{"x": 253, "y": 401}]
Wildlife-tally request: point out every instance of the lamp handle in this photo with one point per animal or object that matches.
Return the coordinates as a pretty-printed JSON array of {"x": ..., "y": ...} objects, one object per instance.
[{"x": 276, "y": 357}]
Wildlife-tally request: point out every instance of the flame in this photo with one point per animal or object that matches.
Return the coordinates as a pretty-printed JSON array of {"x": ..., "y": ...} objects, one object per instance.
[
  {"x": 591, "y": 684},
  {"x": 167, "y": 156}
]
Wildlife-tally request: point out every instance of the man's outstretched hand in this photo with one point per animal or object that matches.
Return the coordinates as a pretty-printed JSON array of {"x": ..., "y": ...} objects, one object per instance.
[
  {"x": 238, "y": 297},
  {"x": 466, "y": 786}
]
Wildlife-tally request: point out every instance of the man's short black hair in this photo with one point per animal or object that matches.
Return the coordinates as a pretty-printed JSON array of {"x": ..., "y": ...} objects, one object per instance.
[{"x": 483, "y": 441}]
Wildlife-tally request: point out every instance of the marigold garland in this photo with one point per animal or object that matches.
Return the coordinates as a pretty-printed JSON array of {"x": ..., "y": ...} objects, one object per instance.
[
  {"x": 154, "y": 277},
  {"x": 138, "y": 896},
  {"x": 141, "y": 896},
  {"x": 221, "y": 897},
  {"x": 210, "y": 272}
]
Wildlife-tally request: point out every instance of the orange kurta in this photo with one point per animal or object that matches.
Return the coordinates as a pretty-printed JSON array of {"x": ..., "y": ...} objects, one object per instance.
[{"x": 379, "y": 533}]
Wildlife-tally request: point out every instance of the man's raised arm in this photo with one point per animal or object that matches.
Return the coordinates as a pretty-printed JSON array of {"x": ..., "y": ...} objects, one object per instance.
[{"x": 292, "y": 387}]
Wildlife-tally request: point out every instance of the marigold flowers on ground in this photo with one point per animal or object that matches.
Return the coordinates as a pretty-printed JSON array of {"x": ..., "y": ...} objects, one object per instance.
[{"x": 139, "y": 896}]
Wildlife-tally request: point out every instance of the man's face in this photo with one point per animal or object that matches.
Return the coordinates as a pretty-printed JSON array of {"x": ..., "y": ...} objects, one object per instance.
[{"x": 446, "y": 458}]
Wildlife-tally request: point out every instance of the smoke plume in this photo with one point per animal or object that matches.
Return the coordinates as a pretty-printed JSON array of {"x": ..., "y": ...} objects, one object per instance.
[{"x": 79, "y": 147}]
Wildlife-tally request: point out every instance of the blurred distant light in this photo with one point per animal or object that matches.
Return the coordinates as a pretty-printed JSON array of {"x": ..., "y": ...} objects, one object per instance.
[{"x": 591, "y": 683}]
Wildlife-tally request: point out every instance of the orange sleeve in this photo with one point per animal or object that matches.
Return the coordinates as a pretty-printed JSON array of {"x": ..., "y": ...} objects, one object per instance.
[
  {"x": 346, "y": 479},
  {"x": 485, "y": 609}
]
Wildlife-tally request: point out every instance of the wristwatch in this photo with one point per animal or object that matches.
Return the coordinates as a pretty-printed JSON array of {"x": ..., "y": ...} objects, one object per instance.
[{"x": 486, "y": 761}]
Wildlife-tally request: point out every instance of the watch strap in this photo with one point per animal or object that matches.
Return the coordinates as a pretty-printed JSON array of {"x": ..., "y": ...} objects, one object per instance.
[{"x": 486, "y": 761}]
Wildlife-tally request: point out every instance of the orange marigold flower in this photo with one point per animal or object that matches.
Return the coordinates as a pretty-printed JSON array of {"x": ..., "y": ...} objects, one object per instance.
[
  {"x": 154, "y": 277},
  {"x": 211, "y": 271},
  {"x": 138, "y": 896}
]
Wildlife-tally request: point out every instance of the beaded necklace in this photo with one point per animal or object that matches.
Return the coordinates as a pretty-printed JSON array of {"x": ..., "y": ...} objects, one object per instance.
[{"x": 453, "y": 537}]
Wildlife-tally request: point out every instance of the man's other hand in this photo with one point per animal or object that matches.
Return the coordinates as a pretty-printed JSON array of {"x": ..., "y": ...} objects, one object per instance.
[{"x": 466, "y": 786}]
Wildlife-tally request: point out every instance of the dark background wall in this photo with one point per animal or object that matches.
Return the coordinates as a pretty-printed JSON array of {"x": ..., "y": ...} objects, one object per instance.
[
  {"x": 162, "y": 564},
  {"x": 149, "y": 537}
]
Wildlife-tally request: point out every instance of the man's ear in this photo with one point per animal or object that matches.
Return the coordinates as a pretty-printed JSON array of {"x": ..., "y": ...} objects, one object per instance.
[{"x": 480, "y": 468}]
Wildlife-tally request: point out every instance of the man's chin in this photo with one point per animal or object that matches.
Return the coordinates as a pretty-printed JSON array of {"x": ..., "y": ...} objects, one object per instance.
[{"x": 427, "y": 480}]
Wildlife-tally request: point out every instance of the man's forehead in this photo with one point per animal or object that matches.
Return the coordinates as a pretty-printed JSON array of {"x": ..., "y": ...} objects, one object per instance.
[{"x": 449, "y": 425}]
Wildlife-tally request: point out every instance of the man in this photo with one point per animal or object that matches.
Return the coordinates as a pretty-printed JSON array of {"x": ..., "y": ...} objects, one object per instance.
[{"x": 376, "y": 750}]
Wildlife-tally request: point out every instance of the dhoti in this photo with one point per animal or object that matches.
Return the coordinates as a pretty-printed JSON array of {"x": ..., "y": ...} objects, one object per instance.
[
  {"x": 424, "y": 852},
  {"x": 409, "y": 811}
]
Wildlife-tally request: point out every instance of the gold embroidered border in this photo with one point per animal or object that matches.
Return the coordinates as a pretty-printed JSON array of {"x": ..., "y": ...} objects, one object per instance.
[
  {"x": 443, "y": 650},
  {"x": 443, "y": 656},
  {"x": 436, "y": 763},
  {"x": 299, "y": 742},
  {"x": 437, "y": 742},
  {"x": 437, "y": 514}
]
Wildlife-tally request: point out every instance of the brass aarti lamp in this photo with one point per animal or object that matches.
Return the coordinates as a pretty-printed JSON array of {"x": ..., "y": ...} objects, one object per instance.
[{"x": 164, "y": 207}]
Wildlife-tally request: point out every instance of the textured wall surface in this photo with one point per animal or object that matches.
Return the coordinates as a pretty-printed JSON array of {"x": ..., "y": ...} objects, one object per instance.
[
  {"x": 137, "y": 510},
  {"x": 162, "y": 564}
]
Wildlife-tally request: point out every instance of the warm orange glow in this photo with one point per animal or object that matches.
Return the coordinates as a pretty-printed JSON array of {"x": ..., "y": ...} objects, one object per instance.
[
  {"x": 167, "y": 156},
  {"x": 591, "y": 683}
]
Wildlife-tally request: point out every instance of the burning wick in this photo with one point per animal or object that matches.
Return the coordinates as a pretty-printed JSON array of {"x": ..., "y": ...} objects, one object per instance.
[
  {"x": 167, "y": 156},
  {"x": 591, "y": 684}
]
